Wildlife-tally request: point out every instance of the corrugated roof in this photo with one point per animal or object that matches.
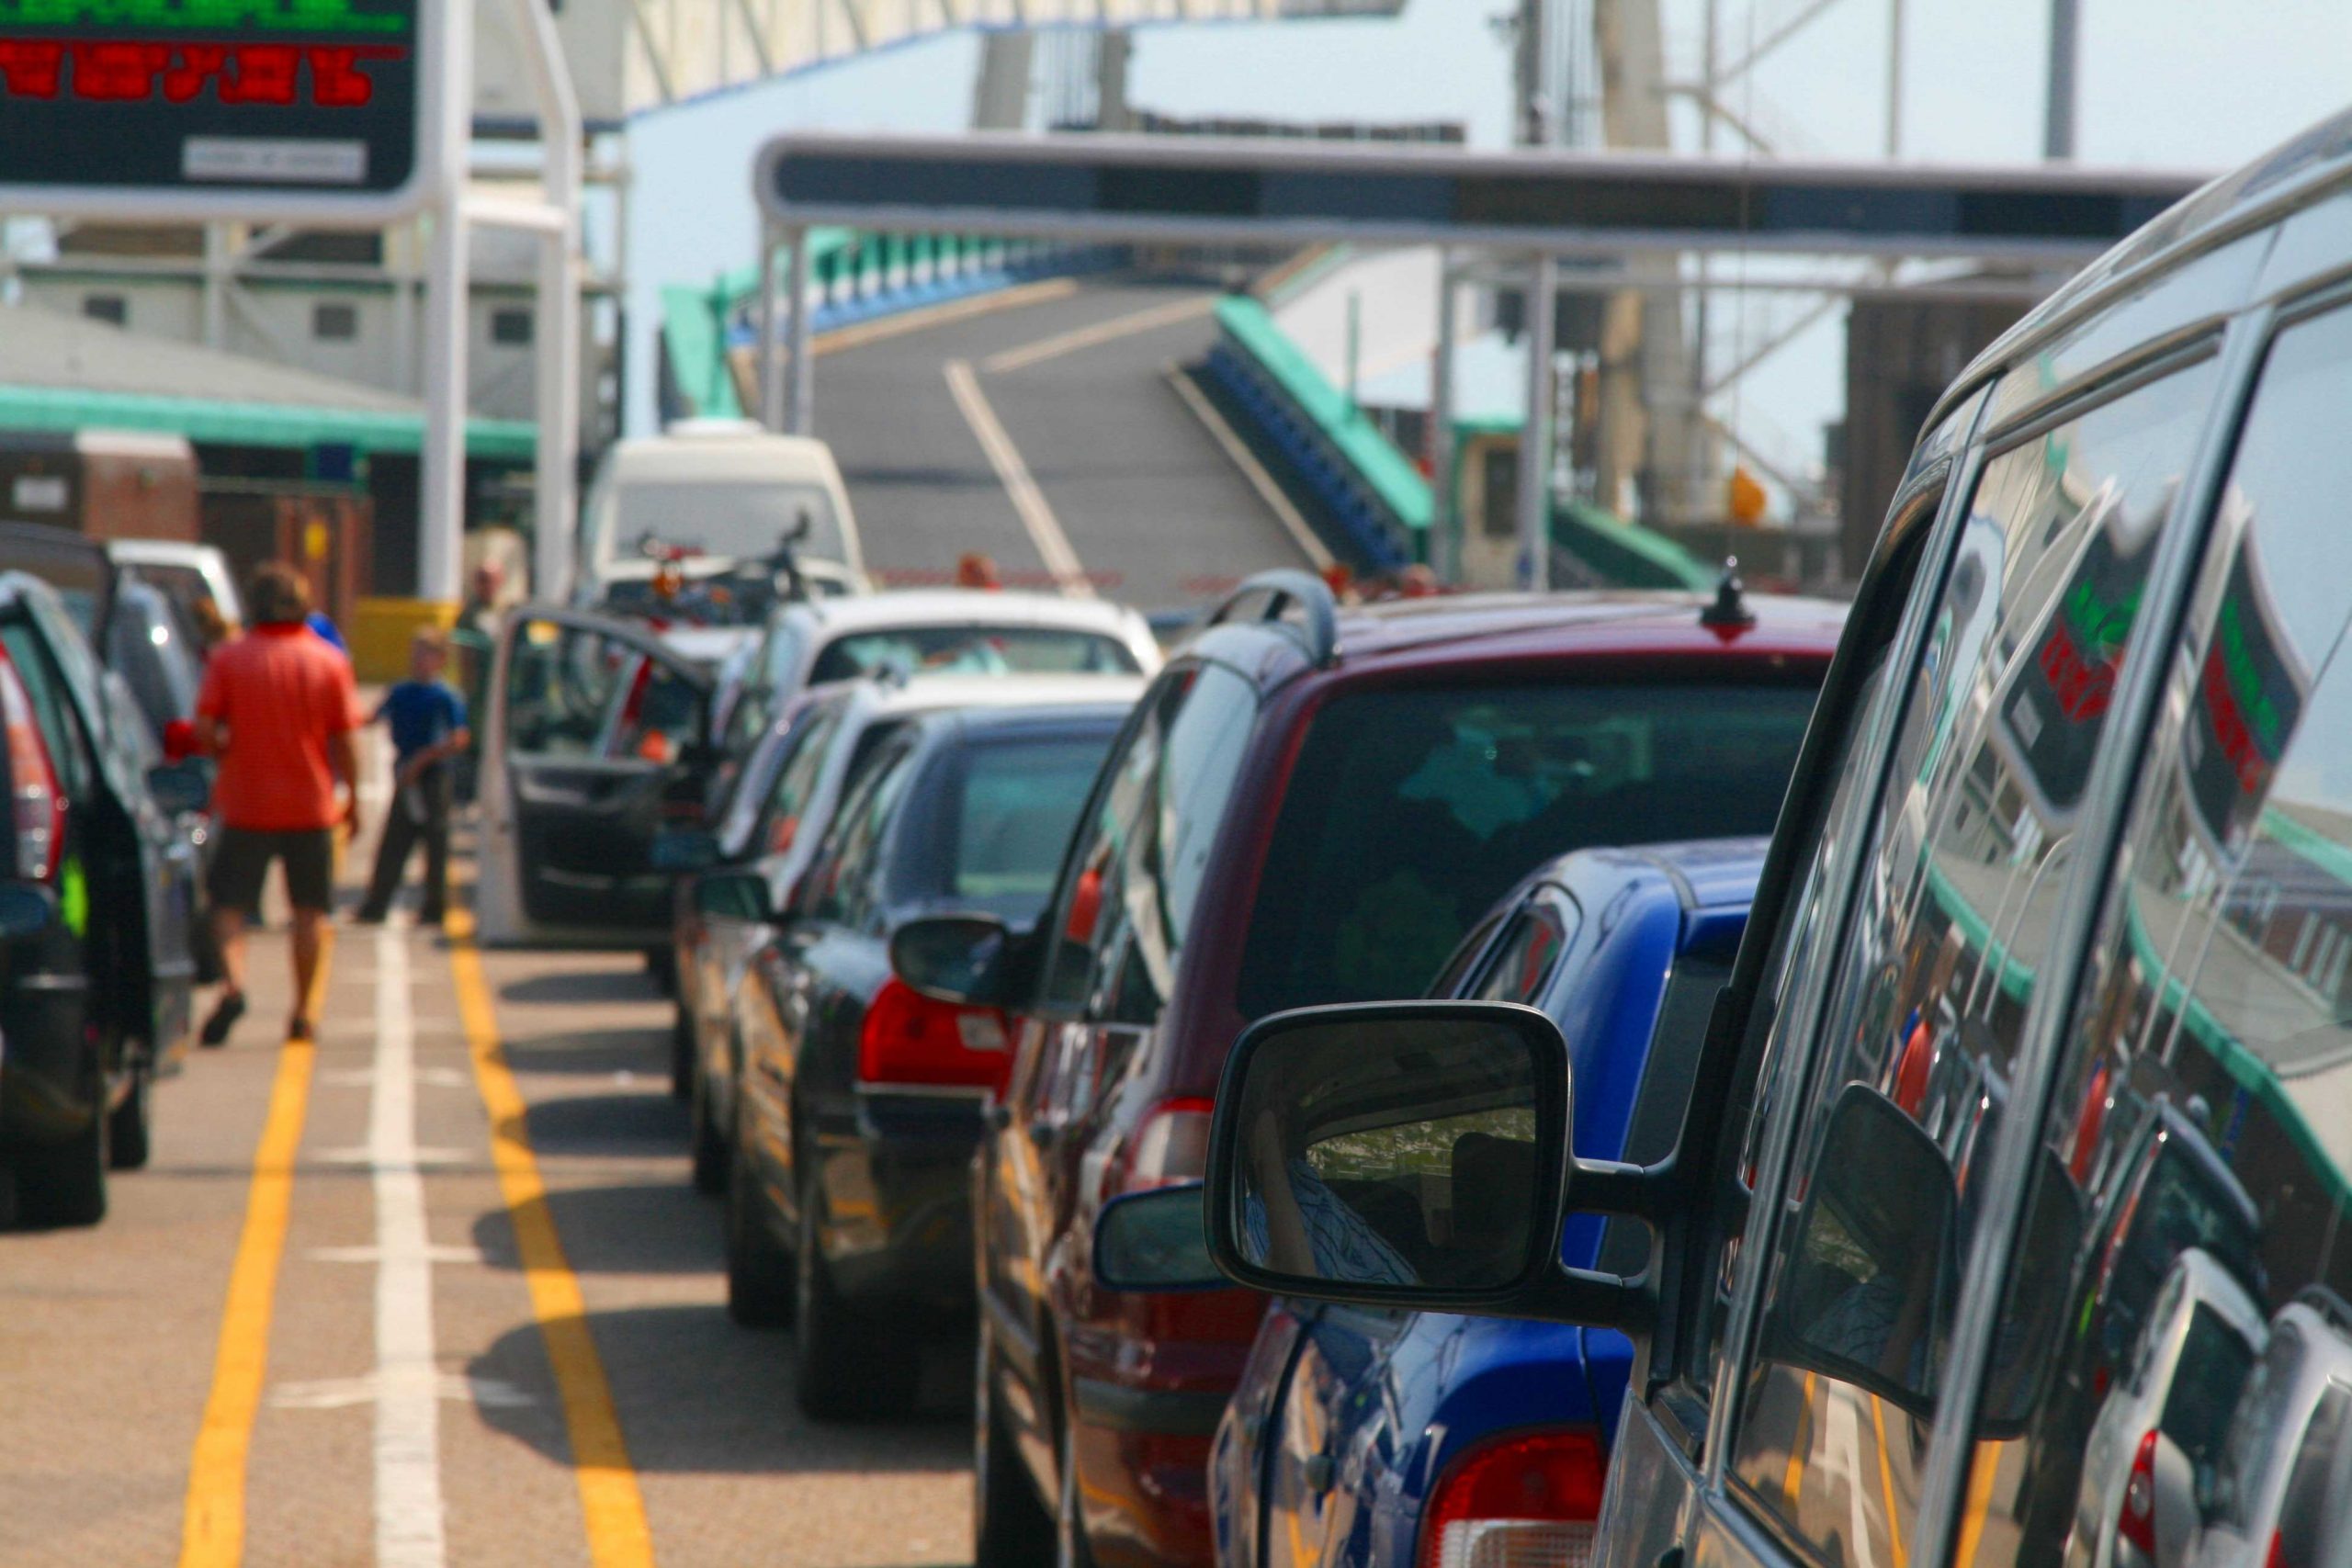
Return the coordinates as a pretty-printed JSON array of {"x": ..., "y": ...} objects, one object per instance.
[{"x": 59, "y": 372}]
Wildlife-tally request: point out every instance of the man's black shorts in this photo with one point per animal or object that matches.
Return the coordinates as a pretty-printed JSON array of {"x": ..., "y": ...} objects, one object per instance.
[{"x": 241, "y": 862}]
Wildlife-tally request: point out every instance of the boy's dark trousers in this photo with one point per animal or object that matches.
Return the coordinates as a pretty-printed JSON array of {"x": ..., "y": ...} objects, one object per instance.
[{"x": 402, "y": 831}]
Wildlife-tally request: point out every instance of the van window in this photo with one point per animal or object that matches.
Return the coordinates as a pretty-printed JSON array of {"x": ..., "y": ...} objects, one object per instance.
[
  {"x": 1125, "y": 912},
  {"x": 1466, "y": 788},
  {"x": 2202, "y": 1097},
  {"x": 1918, "y": 1038},
  {"x": 747, "y": 520}
]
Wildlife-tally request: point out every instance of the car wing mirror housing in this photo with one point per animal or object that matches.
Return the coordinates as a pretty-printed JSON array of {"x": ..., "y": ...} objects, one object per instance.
[
  {"x": 1865, "y": 1293},
  {"x": 975, "y": 960},
  {"x": 735, "y": 896},
  {"x": 685, "y": 849},
  {"x": 1413, "y": 1155},
  {"x": 1155, "y": 1240}
]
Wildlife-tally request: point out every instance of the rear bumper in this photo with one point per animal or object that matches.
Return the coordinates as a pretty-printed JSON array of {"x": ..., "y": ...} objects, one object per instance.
[
  {"x": 898, "y": 1192},
  {"x": 48, "y": 1092}
]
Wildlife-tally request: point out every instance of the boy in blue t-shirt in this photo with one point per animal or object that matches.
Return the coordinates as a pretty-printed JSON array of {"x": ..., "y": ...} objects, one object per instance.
[{"x": 428, "y": 724}]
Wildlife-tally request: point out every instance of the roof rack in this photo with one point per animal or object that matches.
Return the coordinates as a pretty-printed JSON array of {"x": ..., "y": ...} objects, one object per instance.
[
  {"x": 1268, "y": 598},
  {"x": 2328, "y": 1304}
]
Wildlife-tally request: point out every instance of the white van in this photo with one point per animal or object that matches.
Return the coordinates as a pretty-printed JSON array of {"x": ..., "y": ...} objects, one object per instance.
[{"x": 723, "y": 491}]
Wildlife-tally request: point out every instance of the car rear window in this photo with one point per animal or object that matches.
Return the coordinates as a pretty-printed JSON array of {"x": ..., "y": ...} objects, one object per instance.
[
  {"x": 973, "y": 650},
  {"x": 1004, "y": 820},
  {"x": 1411, "y": 810}
]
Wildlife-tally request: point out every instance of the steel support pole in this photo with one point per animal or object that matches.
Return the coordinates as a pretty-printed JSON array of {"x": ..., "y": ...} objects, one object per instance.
[
  {"x": 441, "y": 498},
  {"x": 1445, "y": 542},
  {"x": 441, "y": 476},
  {"x": 1535, "y": 435},
  {"x": 800, "y": 408},
  {"x": 766, "y": 325},
  {"x": 2065, "y": 55},
  {"x": 556, "y": 335}
]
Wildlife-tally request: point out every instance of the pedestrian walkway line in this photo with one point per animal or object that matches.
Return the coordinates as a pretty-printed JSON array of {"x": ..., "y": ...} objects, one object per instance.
[
  {"x": 1149, "y": 318},
  {"x": 612, "y": 1506},
  {"x": 212, "y": 1528},
  {"x": 1013, "y": 472},
  {"x": 410, "y": 1521}
]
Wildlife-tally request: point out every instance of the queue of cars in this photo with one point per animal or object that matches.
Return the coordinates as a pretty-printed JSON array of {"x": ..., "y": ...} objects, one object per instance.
[{"x": 1983, "y": 1205}]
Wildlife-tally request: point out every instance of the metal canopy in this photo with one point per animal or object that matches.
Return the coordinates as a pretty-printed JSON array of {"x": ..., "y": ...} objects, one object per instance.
[{"x": 1147, "y": 189}]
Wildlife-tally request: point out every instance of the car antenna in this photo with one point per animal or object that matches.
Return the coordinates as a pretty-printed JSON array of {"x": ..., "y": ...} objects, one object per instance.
[{"x": 1728, "y": 611}]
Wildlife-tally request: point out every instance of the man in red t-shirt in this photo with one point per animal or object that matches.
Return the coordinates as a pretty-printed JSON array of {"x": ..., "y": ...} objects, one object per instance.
[{"x": 278, "y": 710}]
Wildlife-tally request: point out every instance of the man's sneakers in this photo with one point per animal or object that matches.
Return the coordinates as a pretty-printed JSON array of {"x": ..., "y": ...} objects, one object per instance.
[{"x": 225, "y": 1013}]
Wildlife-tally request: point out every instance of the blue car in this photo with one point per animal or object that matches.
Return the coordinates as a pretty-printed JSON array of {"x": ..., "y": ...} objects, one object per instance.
[{"x": 1394, "y": 1439}]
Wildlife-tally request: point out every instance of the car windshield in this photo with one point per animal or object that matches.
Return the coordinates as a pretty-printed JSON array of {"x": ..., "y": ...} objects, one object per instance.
[
  {"x": 1005, "y": 818},
  {"x": 1461, "y": 790},
  {"x": 748, "y": 520},
  {"x": 973, "y": 650}
]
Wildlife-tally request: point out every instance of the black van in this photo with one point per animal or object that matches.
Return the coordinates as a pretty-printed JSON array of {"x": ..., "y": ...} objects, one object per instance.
[{"x": 2087, "y": 734}]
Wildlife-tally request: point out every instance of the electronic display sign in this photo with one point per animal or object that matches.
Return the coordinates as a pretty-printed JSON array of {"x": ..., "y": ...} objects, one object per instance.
[{"x": 216, "y": 108}]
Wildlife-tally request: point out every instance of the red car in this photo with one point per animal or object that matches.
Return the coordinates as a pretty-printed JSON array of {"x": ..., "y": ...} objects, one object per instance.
[{"x": 1309, "y": 805}]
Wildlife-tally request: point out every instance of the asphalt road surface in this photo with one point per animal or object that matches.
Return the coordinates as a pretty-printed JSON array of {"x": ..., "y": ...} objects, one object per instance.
[
  {"x": 1066, "y": 384},
  {"x": 436, "y": 1291}
]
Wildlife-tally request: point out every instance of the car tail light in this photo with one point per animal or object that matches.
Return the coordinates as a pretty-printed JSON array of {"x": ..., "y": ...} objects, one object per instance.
[
  {"x": 38, "y": 804},
  {"x": 1527, "y": 1502},
  {"x": 912, "y": 1039},
  {"x": 2277, "y": 1557},
  {"x": 1168, "y": 1145},
  {"x": 2136, "y": 1520}
]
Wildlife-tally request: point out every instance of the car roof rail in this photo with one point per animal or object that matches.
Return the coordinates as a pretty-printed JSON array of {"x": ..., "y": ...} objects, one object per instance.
[
  {"x": 2329, "y": 1305},
  {"x": 1269, "y": 597}
]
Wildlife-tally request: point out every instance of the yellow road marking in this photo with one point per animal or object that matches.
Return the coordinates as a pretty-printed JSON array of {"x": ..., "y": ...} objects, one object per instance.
[
  {"x": 1151, "y": 319},
  {"x": 1887, "y": 1481},
  {"x": 1987, "y": 1462},
  {"x": 212, "y": 1528},
  {"x": 940, "y": 315},
  {"x": 1792, "y": 1482},
  {"x": 610, "y": 1503}
]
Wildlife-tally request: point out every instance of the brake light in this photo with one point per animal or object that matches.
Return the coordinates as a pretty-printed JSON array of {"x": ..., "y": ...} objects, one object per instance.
[
  {"x": 37, "y": 805},
  {"x": 2135, "y": 1522},
  {"x": 909, "y": 1038},
  {"x": 2277, "y": 1557},
  {"x": 1524, "y": 1500},
  {"x": 1170, "y": 1145}
]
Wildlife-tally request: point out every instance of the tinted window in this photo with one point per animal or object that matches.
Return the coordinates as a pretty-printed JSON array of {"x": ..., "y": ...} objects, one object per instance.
[
  {"x": 763, "y": 816},
  {"x": 1531, "y": 945},
  {"x": 1919, "y": 1036},
  {"x": 843, "y": 884},
  {"x": 1125, "y": 915},
  {"x": 972, "y": 650},
  {"x": 2214, "y": 1361},
  {"x": 2202, "y": 1098},
  {"x": 999, "y": 824},
  {"x": 1410, "y": 811}
]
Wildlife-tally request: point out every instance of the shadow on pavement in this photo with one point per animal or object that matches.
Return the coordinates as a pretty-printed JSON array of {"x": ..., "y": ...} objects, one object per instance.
[
  {"x": 697, "y": 1393},
  {"x": 592, "y": 1053},
  {"x": 583, "y": 986},
  {"x": 616, "y": 1123},
  {"x": 650, "y": 1228}
]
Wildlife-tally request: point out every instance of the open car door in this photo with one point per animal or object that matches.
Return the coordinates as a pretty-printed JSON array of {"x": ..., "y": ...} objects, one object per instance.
[{"x": 596, "y": 739}]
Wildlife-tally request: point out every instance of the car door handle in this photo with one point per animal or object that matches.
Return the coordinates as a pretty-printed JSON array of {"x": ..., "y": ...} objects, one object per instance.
[{"x": 1317, "y": 1472}]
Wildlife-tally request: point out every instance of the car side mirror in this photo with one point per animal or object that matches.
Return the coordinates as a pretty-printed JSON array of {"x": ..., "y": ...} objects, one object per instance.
[
  {"x": 735, "y": 896},
  {"x": 968, "y": 959},
  {"x": 1410, "y": 1155},
  {"x": 27, "y": 909},
  {"x": 179, "y": 740},
  {"x": 1865, "y": 1293},
  {"x": 685, "y": 849},
  {"x": 1155, "y": 1240},
  {"x": 179, "y": 787}
]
